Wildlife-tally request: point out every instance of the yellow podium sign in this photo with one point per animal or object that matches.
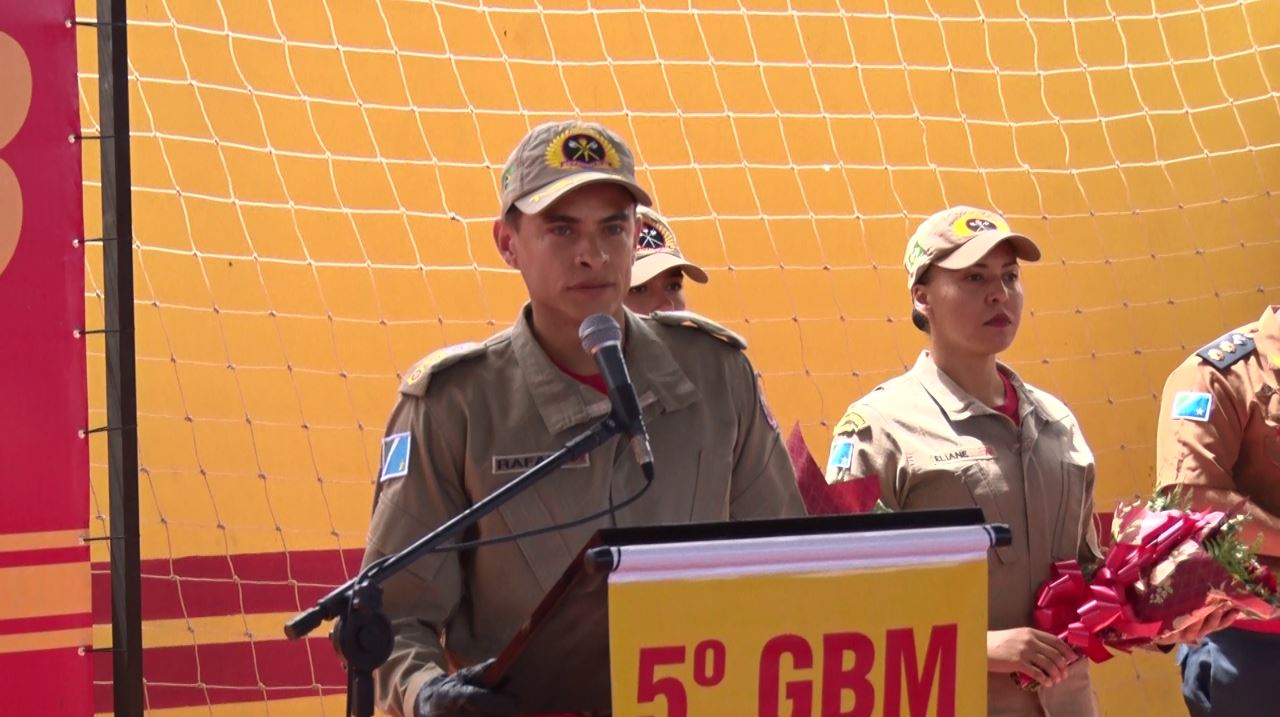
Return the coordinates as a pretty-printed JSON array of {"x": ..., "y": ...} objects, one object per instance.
[{"x": 879, "y": 642}]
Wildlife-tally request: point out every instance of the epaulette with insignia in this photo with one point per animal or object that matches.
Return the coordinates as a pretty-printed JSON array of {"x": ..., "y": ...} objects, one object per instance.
[
  {"x": 1227, "y": 350},
  {"x": 698, "y": 321},
  {"x": 415, "y": 382}
]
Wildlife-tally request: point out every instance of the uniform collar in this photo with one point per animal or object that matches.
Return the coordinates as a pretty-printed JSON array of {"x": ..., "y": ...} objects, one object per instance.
[
  {"x": 1268, "y": 337},
  {"x": 654, "y": 370},
  {"x": 957, "y": 402},
  {"x": 960, "y": 404},
  {"x": 563, "y": 402}
]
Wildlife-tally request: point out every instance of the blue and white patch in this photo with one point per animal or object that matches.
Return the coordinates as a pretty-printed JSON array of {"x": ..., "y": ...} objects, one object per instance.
[
  {"x": 841, "y": 457},
  {"x": 1192, "y": 405},
  {"x": 395, "y": 456}
]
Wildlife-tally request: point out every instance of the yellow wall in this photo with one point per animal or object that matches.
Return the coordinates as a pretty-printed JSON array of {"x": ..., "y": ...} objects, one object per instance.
[{"x": 314, "y": 184}]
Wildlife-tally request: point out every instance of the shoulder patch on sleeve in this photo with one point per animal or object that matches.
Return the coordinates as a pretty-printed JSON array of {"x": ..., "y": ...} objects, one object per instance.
[
  {"x": 1192, "y": 405},
  {"x": 1227, "y": 350},
  {"x": 395, "y": 457},
  {"x": 415, "y": 382},
  {"x": 698, "y": 321},
  {"x": 841, "y": 457}
]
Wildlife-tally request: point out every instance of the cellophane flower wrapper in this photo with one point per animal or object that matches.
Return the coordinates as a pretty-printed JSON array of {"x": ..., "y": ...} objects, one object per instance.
[{"x": 1168, "y": 567}]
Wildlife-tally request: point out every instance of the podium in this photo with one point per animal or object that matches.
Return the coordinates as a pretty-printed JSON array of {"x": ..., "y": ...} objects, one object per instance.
[{"x": 852, "y": 615}]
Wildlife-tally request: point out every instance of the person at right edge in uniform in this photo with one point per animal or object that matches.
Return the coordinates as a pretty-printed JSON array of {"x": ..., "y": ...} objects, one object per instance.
[
  {"x": 471, "y": 418},
  {"x": 961, "y": 429},
  {"x": 1218, "y": 439}
]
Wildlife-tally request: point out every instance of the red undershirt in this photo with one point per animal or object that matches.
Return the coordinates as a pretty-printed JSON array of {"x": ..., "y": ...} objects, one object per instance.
[
  {"x": 595, "y": 380},
  {"x": 1009, "y": 406}
]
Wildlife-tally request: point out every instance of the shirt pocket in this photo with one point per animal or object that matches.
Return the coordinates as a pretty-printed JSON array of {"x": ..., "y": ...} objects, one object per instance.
[
  {"x": 983, "y": 485},
  {"x": 546, "y": 555},
  {"x": 1068, "y": 534}
]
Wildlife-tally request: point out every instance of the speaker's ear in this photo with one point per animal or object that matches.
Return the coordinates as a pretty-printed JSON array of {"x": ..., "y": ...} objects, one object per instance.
[
  {"x": 920, "y": 299},
  {"x": 503, "y": 235}
]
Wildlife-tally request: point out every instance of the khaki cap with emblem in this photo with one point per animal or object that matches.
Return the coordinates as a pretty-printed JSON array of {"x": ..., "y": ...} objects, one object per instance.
[
  {"x": 958, "y": 237},
  {"x": 557, "y": 157},
  {"x": 656, "y": 250}
]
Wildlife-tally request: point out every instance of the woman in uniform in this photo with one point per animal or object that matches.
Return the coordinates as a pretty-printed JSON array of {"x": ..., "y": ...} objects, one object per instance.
[{"x": 961, "y": 429}]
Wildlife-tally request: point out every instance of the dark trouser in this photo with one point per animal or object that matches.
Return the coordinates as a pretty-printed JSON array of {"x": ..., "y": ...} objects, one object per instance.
[{"x": 1232, "y": 672}]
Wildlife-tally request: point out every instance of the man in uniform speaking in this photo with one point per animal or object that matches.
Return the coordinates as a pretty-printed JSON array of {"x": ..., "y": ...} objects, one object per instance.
[{"x": 470, "y": 418}]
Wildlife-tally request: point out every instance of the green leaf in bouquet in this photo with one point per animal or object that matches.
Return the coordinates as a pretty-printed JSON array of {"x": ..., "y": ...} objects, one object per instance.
[
  {"x": 1237, "y": 558},
  {"x": 1170, "y": 499},
  {"x": 880, "y": 507}
]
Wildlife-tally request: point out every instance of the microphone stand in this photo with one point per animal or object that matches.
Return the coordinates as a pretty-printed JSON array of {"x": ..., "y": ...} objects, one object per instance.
[{"x": 362, "y": 635}]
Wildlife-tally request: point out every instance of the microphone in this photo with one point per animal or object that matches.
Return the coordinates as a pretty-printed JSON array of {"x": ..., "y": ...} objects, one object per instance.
[{"x": 602, "y": 338}]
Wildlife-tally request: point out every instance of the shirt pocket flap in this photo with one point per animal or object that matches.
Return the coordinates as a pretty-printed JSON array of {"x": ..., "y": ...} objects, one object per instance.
[
  {"x": 1068, "y": 534},
  {"x": 978, "y": 479}
]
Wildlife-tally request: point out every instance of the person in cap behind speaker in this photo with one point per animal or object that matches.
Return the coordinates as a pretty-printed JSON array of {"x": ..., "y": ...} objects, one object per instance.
[{"x": 658, "y": 274}]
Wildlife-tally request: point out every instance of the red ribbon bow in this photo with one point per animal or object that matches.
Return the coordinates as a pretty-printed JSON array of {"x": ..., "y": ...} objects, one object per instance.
[{"x": 1094, "y": 616}]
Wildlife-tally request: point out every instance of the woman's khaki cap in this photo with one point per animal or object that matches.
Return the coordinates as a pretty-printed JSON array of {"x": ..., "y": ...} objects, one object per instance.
[
  {"x": 958, "y": 237},
  {"x": 558, "y": 157},
  {"x": 656, "y": 250}
]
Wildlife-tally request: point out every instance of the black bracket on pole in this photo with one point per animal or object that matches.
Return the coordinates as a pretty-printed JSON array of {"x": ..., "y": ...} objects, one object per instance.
[{"x": 99, "y": 429}]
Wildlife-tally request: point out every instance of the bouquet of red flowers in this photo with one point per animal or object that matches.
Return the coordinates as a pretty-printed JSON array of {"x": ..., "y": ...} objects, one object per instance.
[{"x": 1167, "y": 568}]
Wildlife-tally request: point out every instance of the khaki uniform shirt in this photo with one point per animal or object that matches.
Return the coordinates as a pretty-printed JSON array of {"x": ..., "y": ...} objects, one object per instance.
[
  {"x": 930, "y": 444},
  {"x": 472, "y": 418},
  {"x": 1234, "y": 444},
  {"x": 1219, "y": 424}
]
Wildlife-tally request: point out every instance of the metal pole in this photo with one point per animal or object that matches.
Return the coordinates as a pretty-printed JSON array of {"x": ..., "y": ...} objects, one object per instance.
[{"x": 122, "y": 409}]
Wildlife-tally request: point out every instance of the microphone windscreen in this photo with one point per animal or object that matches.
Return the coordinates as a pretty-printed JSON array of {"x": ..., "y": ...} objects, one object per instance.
[{"x": 598, "y": 330}]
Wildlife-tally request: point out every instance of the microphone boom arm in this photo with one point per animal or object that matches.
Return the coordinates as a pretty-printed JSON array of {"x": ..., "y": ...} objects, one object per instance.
[{"x": 363, "y": 635}]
